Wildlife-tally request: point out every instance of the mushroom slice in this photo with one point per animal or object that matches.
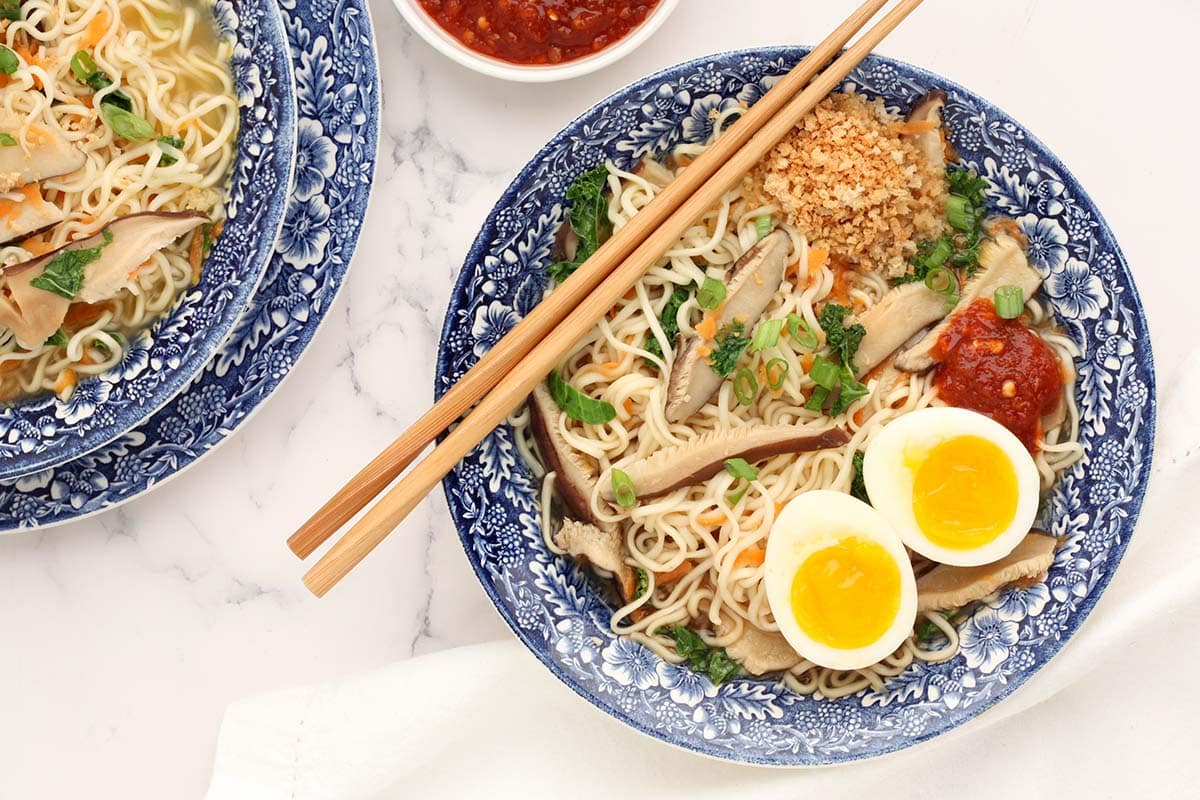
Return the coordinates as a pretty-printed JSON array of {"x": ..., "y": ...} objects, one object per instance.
[
  {"x": 575, "y": 476},
  {"x": 40, "y": 152},
  {"x": 1002, "y": 262},
  {"x": 953, "y": 587},
  {"x": 748, "y": 291},
  {"x": 31, "y": 313},
  {"x": 35, "y": 314},
  {"x": 698, "y": 460},
  {"x": 933, "y": 141},
  {"x": 30, "y": 214},
  {"x": 759, "y": 651},
  {"x": 896, "y": 318},
  {"x": 598, "y": 547}
]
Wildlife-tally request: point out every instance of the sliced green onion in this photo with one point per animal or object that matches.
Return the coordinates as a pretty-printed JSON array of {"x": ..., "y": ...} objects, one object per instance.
[
  {"x": 623, "y": 489},
  {"x": 57, "y": 339},
  {"x": 577, "y": 405},
  {"x": 6, "y": 140},
  {"x": 941, "y": 280},
  {"x": 804, "y": 336},
  {"x": 959, "y": 213},
  {"x": 1010, "y": 302},
  {"x": 736, "y": 497},
  {"x": 824, "y": 373},
  {"x": 741, "y": 468},
  {"x": 126, "y": 124},
  {"x": 711, "y": 294},
  {"x": 816, "y": 401},
  {"x": 9, "y": 63},
  {"x": 941, "y": 250},
  {"x": 763, "y": 225},
  {"x": 83, "y": 66},
  {"x": 951, "y": 300},
  {"x": 745, "y": 386},
  {"x": 766, "y": 335},
  {"x": 777, "y": 371}
]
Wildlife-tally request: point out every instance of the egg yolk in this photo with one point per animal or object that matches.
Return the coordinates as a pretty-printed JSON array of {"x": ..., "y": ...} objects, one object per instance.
[
  {"x": 847, "y": 595},
  {"x": 964, "y": 493}
]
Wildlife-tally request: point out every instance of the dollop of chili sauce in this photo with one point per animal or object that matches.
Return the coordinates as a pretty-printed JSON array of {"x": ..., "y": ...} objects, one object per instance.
[
  {"x": 1000, "y": 368},
  {"x": 538, "y": 31}
]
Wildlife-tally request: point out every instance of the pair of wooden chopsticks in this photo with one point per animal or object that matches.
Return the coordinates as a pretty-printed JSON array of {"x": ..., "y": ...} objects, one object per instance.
[{"x": 517, "y": 363}]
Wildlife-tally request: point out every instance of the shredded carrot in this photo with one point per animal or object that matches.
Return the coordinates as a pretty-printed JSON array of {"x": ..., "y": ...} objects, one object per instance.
[
  {"x": 860, "y": 416},
  {"x": 11, "y": 365},
  {"x": 707, "y": 327},
  {"x": 27, "y": 55},
  {"x": 751, "y": 555},
  {"x": 196, "y": 254},
  {"x": 66, "y": 382},
  {"x": 610, "y": 368},
  {"x": 914, "y": 127},
  {"x": 664, "y": 578},
  {"x": 807, "y": 361},
  {"x": 817, "y": 256},
  {"x": 36, "y": 246},
  {"x": 712, "y": 519},
  {"x": 95, "y": 30},
  {"x": 1009, "y": 226},
  {"x": 778, "y": 508},
  {"x": 80, "y": 315},
  {"x": 628, "y": 404},
  {"x": 704, "y": 351}
]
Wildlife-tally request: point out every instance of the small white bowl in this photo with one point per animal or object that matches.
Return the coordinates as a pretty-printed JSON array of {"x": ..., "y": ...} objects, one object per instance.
[{"x": 433, "y": 33}]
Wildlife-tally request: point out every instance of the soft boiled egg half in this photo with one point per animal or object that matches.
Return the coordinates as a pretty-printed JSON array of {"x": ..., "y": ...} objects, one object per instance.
[
  {"x": 957, "y": 486},
  {"x": 839, "y": 581}
]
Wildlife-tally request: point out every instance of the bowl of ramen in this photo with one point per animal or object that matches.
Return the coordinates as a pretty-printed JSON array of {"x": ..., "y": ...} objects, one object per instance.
[
  {"x": 535, "y": 42},
  {"x": 146, "y": 152},
  {"x": 852, "y": 461}
]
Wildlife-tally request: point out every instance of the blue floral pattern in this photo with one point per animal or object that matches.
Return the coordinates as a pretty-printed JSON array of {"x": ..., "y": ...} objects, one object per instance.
[
  {"x": 180, "y": 343},
  {"x": 283, "y": 313},
  {"x": 562, "y": 616}
]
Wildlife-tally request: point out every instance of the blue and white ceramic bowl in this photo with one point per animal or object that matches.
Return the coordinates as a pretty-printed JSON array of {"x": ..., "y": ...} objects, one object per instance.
[
  {"x": 560, "y": 614},
  {"x": 46, "y": 431},
  {"x": 331, "y": 50}
]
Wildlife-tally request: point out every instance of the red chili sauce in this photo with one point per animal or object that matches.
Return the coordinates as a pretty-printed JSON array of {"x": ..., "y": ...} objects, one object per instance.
[
  {"x": 538, "y": 31},
  {"x": 1000, "y": 368}
]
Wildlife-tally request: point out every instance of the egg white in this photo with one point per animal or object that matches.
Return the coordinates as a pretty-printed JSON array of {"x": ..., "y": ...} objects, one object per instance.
[
  {"x": 889, "y": 479},
  {"x": 811, "y": 522}
]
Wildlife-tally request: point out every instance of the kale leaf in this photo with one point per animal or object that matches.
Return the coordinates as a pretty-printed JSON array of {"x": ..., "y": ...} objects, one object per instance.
[
  {"x": 589, "y": 219},
  {"x": 713, "y": 662},
  {"x": 731, "y": 341}
]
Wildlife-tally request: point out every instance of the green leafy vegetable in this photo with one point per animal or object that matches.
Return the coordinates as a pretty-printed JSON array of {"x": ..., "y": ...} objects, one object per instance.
[
  {"x": 86, "y": 71},
  {"x": 9, "y": 63},
  {"x": 6, "y": 140},
  {"x": 10, "y": 9},
  {"x": 126, "y": 124},
  {"x": 643, "y": 582},
  {"x": 167, "y": 159},
  {"x": 928, "y": 630},
  {"x": 64, "y": 274},
  {"x": 711, "y": 294},
  {"x": 842, "y": 339},
  {"x": 57, "y": 339},
  {"x": 731, "y": 341},
  {"x": 715, "y": 663},
  {"x": 824, "y": 373},
  {"x": 1010, "y": 301},
  {"x": 669, "y": 319},
  {"x": 577, "y": 405},
  {"x": 816, "y": 400},
  {"x": 858, "y": 486},
  {"x": 966, "y": 208},
  {"x": 849, "y": 390},
  {"x": 589, "y": 219},
  {"x": 766, "y": 335}
]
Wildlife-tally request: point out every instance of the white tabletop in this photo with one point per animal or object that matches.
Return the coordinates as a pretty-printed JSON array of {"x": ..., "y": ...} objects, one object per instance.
[{"x": 124, "y": 636}]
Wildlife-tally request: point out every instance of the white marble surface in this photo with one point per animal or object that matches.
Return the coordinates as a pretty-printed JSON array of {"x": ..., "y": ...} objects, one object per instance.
[{"x": 124, "y": 636}]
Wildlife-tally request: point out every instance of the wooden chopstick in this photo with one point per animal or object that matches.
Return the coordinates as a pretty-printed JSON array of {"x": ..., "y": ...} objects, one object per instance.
[
  {"x": 385, "y": 467},
  {"x": 514, "y": 387}
]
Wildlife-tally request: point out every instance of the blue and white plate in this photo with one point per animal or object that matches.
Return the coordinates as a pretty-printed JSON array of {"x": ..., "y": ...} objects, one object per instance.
[
  {"x": 329, "y": 47},
  {"x": 162, "y": 359},
  {"x": 561, "y": 615}
]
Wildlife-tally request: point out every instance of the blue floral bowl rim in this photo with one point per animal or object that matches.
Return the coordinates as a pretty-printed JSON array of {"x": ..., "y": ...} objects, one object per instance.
[
  {"x": 479, "y": 246},
  {"x": 264, "y": 248}
]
